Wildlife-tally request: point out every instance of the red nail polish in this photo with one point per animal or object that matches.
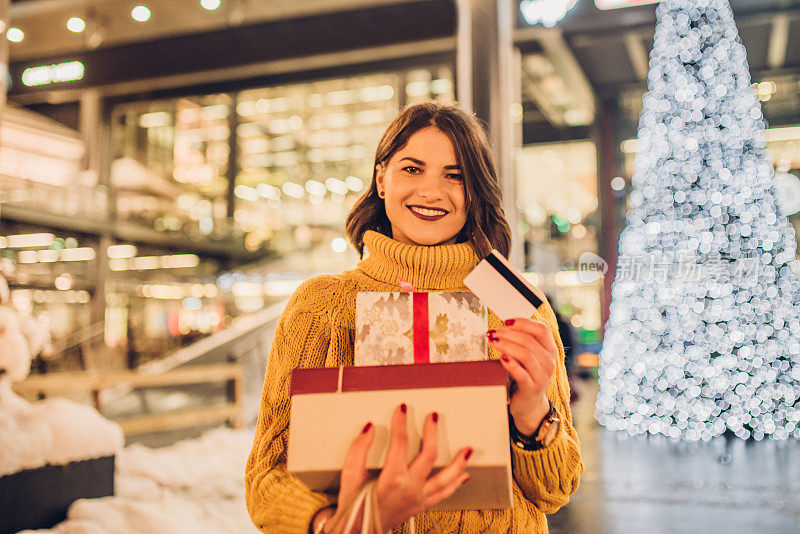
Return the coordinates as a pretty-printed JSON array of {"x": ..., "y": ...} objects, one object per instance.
[
  {"x": 511, "y": 322},
  {"x": 366, "y": 428},
  {"x": 435, "y": 417},
  {"x": 468, "y": 453},
  {"x": 505, "y": 358},
  {"x": 403, "y": 407}
]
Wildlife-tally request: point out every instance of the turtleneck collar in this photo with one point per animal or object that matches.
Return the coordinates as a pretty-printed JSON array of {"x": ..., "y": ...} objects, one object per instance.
[{"x": 438, "y": 268}]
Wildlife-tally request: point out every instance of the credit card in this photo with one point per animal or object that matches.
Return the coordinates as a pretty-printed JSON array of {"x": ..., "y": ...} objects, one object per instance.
[{"x": 502, "y": 289}]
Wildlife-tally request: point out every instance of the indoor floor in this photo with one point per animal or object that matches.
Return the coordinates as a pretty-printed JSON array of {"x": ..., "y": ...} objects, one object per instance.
[{"x": 637, "y": 485}]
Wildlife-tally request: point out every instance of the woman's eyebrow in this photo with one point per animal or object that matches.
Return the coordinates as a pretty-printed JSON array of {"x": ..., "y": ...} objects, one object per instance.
[{"x": 422, "y": 163}]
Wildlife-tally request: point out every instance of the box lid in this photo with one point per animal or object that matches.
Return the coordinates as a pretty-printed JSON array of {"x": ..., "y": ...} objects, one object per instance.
[{"x": 383, "y": 377}]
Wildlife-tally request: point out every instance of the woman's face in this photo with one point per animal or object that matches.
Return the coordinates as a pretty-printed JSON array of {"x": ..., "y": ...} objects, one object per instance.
[{"x": 424, "y": 190}]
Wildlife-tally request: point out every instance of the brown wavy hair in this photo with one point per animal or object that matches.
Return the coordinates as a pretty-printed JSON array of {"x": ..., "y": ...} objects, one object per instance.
[{"x": 486, "y": 226}]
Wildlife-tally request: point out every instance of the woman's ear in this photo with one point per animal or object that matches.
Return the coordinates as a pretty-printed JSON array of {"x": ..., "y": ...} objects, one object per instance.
[{"x": 379, "y": 170}]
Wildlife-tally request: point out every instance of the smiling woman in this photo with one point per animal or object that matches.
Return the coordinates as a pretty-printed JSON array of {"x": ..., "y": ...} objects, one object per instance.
[{"x": 434, "y": 178}]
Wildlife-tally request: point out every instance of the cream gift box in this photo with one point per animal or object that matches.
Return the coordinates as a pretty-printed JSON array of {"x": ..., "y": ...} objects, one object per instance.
[
  {"x": 394, "y": 328},
  {"x": 330, "y": 407}
]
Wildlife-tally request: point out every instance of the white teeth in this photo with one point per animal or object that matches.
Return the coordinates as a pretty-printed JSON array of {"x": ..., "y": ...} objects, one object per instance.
[{"x": 428, "y": 212}]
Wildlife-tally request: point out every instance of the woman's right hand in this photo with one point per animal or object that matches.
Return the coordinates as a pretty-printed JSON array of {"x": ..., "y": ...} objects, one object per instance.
[{"x": 403, "y": 489}]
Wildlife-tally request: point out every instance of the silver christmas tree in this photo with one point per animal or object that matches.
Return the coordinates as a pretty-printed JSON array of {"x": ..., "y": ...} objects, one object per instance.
[{"x": 703, "y": 336}]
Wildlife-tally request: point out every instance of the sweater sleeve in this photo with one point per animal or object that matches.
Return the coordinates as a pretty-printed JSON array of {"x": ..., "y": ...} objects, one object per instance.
[
  {"x": 277, "y": 501},
  {"x": 548, "y": 477}
]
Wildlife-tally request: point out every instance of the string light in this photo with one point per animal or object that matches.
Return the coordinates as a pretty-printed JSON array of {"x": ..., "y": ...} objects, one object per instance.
[
  {"x": 211, "y": 5},
  {"x": 76, "y": 24},
  {"x": 140, "y": 13},
  {"x": 545, "y": 12},
  {"x": 15, "y": 35},
  {"x": 697, "y": 358}
]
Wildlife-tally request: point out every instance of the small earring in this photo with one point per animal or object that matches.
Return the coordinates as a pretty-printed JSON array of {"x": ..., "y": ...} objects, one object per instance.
[{"x": 381, "y": 194}]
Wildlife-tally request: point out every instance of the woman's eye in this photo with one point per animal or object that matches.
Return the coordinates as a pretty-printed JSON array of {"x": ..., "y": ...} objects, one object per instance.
[
  {"x": 411, "y": 169},
  {"x": 456, "y": 176}
]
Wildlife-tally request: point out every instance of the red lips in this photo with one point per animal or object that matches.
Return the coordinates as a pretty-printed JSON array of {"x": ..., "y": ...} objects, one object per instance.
[{"x": 440, "y": 213}]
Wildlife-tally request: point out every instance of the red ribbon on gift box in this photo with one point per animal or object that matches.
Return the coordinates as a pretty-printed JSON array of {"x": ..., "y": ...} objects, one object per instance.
[
  {"x": 421, "y": 333},
  {"x": 420, "y": 327}
]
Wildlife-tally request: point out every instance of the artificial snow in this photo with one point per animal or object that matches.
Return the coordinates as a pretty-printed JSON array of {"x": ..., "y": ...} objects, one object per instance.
[
  {"x": 15, "y": 359},
  {"x": 194, "y": 486},
  {"x": 21, "y": 338},
  {"x": 47, "y": 432},
  {"x": 52, "y": 432}
]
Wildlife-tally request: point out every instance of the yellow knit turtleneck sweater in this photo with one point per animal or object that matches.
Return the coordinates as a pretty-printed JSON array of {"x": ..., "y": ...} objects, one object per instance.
[{"x": 317, "y": 330}]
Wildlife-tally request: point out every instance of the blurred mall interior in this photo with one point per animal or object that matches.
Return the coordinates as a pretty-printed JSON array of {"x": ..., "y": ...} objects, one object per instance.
[{"x": 171, "y": 170}]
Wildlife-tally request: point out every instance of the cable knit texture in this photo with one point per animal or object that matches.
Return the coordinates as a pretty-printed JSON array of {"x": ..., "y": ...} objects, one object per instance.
[{"x": 317, "y": 330}]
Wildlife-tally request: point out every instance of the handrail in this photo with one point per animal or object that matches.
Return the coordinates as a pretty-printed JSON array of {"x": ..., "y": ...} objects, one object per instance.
[
  {"x": 240, "y": 343},
  {"x": 97, "y": 381},
  {"x": 84, "y": 335},
  {"x": 215, "y": 342},
  {"x": 92, "y": 380}
]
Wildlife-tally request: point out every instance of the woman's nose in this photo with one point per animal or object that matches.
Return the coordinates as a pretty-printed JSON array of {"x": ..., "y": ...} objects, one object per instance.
[{"x": 430, "y": 187}]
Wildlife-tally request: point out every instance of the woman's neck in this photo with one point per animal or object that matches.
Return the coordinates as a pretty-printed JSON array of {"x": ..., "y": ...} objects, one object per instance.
[{"x": 441, "y": 267}]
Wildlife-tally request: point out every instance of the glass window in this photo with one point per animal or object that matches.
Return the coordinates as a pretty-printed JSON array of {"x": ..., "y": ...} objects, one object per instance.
[
  {"x": 303, "y": 155},
  {"x": 306, "y": 152},
  {"x": 171, "y": 162}
]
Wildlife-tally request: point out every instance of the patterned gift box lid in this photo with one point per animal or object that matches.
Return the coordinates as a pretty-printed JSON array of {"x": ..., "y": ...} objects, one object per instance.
[{"x": 456, "y": 322}]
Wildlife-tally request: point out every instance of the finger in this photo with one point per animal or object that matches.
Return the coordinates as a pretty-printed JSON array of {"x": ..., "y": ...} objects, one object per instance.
[
  {"x": 449, "y": 475},
  {"x": 397, "y": 455},
  {"x": 515, "y": 352},
  {"x": 520, "y": 345},
  {"x": 539, "y": 357},
  {"x": 521, "y": 376},
  {"x": 536, "y": 370},
  {"x": 405, "y": 286},
  {"x": 528, "y": 351},
  {"x": 436, "y": 498},
  {"x": 539, "y": 363},
  {"x": 520, "y": 337},
  {"x": 540, "y": 329},
  {"x": 354, "y": 471},
  {"x": 421, "y": 466},
  {"x": 535, "y": 376}
]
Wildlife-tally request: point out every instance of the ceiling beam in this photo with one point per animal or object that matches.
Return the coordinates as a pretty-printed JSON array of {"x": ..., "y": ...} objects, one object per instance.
[
  {"x": 778, "y": 41},
  {"x": 637, "y": 53},
  {"x": 555, "y": 48},
  {"x": 32, "y": 8},
  {"x": 560, "y": 54},
  {"x": 253, "y": 71},
  {"x": 103, "y": 16},
  {"x": 531, "y": 89},
  {"x": 258, "y": 11}
]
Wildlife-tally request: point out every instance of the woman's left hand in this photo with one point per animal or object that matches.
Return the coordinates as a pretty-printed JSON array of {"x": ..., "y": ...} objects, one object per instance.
[{"x": 529, "y": 355}]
